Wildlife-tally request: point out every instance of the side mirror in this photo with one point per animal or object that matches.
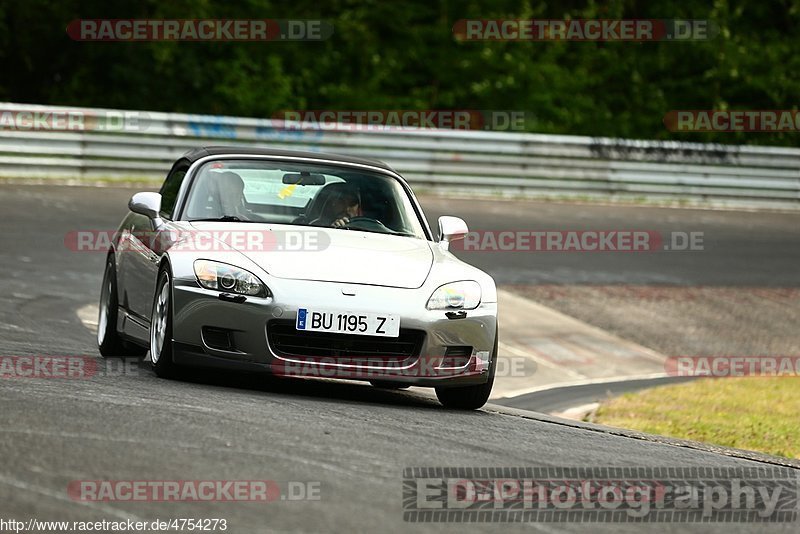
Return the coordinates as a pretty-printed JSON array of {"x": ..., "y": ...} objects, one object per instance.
[
  {"x": 451, "y": 229},
  {"x": 146, "y": 203}
]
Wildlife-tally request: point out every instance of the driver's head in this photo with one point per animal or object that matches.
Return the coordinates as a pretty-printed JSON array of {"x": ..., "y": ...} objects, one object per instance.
[
  {"x": 230, "y": 188},
  {"x": 345, "y": 202}
]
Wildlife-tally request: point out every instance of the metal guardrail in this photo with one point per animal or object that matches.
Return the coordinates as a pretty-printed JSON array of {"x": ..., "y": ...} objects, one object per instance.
[{"x": 456, "y": 161}]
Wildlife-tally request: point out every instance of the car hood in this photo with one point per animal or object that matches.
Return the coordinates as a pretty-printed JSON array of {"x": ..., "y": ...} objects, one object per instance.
[{"x": 331, "y": 255}]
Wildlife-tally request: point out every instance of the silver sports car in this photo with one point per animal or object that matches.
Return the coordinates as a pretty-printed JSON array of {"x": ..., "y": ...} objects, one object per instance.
[{"x": 298, "y": 264}]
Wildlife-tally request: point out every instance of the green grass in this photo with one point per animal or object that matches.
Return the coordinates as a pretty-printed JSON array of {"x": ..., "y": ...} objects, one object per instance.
[{"x": 754, "y": 413}]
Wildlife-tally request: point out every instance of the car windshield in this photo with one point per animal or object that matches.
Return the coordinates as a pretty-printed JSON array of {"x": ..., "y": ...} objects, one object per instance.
[{"x": 250, "y": 190}]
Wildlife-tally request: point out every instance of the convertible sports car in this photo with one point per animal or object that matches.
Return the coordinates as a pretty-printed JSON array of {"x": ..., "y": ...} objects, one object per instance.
[{"x": 298, "y": 264}]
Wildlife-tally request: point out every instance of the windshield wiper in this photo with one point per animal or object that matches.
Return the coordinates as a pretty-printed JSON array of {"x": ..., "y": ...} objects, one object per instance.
[
  {"x": 390, "y": 231},
  {"x": 224, "y": 218}
]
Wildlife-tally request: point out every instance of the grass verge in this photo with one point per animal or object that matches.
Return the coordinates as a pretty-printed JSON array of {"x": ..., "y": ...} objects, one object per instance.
[{"x": 753, "y": 413}]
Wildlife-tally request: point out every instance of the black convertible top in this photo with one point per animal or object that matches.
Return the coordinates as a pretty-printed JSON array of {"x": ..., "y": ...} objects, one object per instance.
[{"x": 201, "y": 152}]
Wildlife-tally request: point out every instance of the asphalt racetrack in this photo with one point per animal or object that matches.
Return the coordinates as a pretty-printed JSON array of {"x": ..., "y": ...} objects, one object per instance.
[{"x": 350, "y": 440}]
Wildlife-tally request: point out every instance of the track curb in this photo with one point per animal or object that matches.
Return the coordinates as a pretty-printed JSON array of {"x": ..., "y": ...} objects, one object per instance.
[{"x": 642, "y": 436}]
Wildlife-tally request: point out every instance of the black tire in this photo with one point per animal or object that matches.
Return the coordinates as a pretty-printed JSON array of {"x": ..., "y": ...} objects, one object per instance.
[
  {"x": 109, "y": 342},
  {"x": 469, "y": 397},
  {"x": 161, "y": 361},
  {"x": 386, "y": 384}
]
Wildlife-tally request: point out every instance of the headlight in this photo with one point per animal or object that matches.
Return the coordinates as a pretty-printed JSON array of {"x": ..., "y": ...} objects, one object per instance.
[
  {"x": 456, "y": 296},
  {"x": 224, "y": 277}
]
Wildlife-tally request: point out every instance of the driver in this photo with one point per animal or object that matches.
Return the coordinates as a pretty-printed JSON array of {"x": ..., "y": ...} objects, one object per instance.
[
  {"x": 343, "y": 205},
  {"x": 230, "y": 192}
]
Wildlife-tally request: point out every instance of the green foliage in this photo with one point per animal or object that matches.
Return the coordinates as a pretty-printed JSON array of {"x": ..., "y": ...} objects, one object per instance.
[{"x": 402, "y": 55}]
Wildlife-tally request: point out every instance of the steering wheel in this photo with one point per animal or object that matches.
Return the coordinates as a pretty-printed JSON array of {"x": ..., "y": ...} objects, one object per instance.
[{"x": 367, "y": 223}]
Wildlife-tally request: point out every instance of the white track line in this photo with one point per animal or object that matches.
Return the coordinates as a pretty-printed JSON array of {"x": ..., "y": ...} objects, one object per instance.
[{"x": 584, "y": 382}]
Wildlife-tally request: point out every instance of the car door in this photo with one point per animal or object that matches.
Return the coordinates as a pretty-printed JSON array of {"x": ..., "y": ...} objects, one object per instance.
[{"x": 146, "y": 246}]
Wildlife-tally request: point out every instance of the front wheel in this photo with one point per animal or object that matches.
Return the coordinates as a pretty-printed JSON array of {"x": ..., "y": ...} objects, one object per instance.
[
  {"x": 109, "y": 342},
  {"x": 161, "y": 328},
  {"x": 469, "y": 397}
]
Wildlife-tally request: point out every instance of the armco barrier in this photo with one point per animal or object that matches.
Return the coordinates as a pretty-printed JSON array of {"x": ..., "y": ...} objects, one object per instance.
[{"x": 461, "y": 162}]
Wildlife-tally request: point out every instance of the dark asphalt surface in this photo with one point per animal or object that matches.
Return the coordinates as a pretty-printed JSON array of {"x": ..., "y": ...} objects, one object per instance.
[
  {"x": 739, "y": 248},
  {"x": 352, "y": 439}
]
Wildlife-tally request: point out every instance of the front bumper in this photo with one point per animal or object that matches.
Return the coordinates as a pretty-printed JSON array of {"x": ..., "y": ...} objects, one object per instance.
[{"x": 195, "y": 310}]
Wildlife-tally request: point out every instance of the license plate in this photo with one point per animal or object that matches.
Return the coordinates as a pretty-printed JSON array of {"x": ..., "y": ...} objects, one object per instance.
[{"x": 361, "y": 323}]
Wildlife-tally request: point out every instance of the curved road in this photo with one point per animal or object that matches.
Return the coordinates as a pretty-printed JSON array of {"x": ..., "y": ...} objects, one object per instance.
[{"x": 126, "y": 424}]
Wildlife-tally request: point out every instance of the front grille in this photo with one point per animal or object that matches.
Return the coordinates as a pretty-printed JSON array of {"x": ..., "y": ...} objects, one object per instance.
[{"x": 286, "y": 341}]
